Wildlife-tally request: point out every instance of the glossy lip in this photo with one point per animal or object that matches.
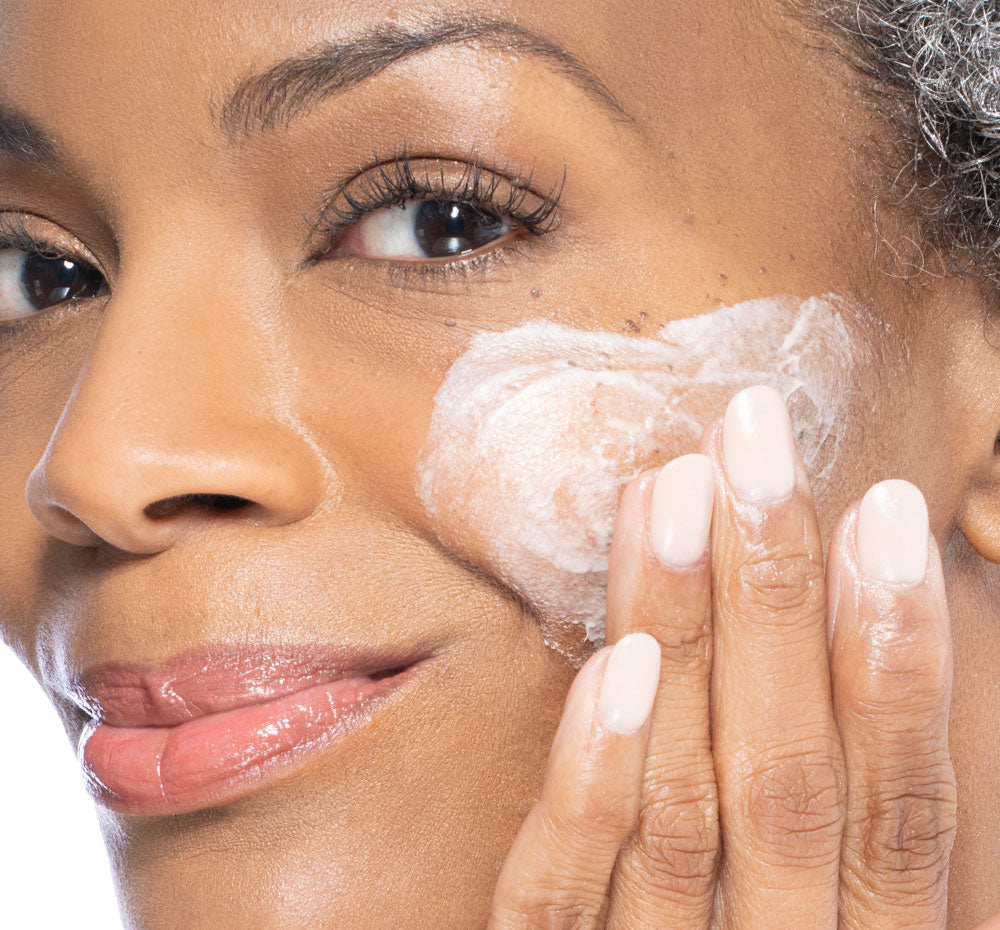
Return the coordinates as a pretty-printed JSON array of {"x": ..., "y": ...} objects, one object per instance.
[{"x": 218, "y": 722}]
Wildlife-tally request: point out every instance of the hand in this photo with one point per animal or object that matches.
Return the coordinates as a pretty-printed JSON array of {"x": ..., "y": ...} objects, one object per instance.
[{"x": 766, "y": 744}]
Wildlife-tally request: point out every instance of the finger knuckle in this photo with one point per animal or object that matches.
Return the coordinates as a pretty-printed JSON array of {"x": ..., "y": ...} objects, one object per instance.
[
  {"x": 555, "y": 889},
  {"x": 684, "y": 645},
  {"x": 589, "y": 814},
  {"x": 908, "y": 831},
  {"x": 794, "y": 807},
  {"x": 676, "y": 842},
  {"x": 908, "y": 678},
  {"x": 785, "y": 587},
  {"x": 546, "y": 915}
]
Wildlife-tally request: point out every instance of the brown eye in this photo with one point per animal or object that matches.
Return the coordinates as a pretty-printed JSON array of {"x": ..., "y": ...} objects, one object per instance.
[
  {"x": 422, "y": 229},
  {"x": 30, "y": 281},
  {"x": 446, "y": 227}
]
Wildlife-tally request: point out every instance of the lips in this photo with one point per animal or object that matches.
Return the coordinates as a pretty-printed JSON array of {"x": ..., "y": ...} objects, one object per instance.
[{"x": 216, "y": 723}]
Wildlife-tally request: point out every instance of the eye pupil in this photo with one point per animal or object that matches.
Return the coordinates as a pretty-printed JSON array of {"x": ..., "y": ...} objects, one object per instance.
[
  {"x": 48, "y": 281},
  {"x": 445, "y": 228}
]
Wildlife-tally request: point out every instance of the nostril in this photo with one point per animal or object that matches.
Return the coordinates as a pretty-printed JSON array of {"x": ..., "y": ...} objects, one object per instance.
[{"x": 170, "y": 506}]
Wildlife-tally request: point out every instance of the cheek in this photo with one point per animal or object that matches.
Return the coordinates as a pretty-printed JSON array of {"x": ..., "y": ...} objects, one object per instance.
[{"x": 536, "y": 429}]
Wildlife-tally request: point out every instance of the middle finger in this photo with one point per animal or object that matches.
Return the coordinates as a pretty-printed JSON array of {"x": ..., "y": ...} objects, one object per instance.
[{"x": 778, "y": 758}]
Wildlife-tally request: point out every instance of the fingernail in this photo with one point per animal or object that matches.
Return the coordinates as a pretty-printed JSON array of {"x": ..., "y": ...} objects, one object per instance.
[
  {"x": 680, "y": 510},
  {"x": 893, "y": 533},
  {"x": 757, "y": 445},
  {"x": 631, "y": 678}
]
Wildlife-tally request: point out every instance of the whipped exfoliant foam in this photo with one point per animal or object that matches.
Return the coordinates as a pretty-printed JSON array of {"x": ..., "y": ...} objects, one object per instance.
[{"x": 536, "y": 429}]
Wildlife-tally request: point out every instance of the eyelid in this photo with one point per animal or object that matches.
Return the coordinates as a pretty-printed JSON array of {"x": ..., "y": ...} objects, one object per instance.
[
  {"x": 387, "y": 182},
  {"x": 13, "y": 226}
]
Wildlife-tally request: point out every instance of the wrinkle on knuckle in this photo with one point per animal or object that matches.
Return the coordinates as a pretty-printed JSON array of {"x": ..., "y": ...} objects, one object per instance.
[
  {"x": 682, "y": 645},
  {"x": 557, "y": 888},
  {"x": 774, "y": 587},
  {"x": 793, "y": 808},
  {"x": 899, "y": 682},
  {"x": 676, "y": 842},
  {"x": 586, "y": 824},
  {"x": 899, "y": 739},
  {"x": 545, "y": 914},
  {"x": 568, "y": 915},
  {"x": 907, "y": 833}
]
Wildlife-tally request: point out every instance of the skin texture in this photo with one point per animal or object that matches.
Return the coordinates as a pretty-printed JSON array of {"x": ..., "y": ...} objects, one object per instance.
[
  {"x": 740, "y": 176},
  {"x": 796, "y": 760}
]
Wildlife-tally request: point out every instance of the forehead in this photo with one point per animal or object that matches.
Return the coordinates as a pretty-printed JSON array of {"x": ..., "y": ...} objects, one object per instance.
[
  {"x": 140, "y": 89},
  {"x": 723, "y": 97},
  {"x": 68, "y": 55},
  {"x": 159, "y": 60}
]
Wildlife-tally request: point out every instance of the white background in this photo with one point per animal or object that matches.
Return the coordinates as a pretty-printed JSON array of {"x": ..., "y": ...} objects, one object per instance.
[{"x": 54, "y": 872}]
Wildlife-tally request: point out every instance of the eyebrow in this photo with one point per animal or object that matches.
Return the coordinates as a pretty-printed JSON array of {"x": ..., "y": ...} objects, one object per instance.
[
  {"x": 26, "y": 141},
  {"x": 277, "y": 95}
]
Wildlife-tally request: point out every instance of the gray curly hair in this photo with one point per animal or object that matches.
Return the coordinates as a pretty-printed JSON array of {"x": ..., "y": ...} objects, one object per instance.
[{"x": 935, "y": 65}]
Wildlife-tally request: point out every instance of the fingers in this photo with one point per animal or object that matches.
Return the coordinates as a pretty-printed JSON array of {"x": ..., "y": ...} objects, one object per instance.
[
  {"x": 892, "y": 664},
  {"x": 558, "y": 870},
  {"x": 778, "y": 759},
  {"x": 659, "y": 582}
]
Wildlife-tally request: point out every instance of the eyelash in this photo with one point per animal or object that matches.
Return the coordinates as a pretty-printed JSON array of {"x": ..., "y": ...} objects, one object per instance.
[
  {"x": 14, "y": 235},
  {"x": 393, "y": 181},
  {"x": 385, "y": 184}
]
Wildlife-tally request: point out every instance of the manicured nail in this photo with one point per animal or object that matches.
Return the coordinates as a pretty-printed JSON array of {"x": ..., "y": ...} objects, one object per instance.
[
  {"x": 628, "y": 688},
  {"x": 757, "y": 445},
  {"x": 680, "y": 510},
  {"x": 893, "y": 533}
]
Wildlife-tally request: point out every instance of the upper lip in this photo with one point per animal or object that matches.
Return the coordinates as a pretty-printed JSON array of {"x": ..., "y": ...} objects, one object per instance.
[{"x": 215, "y": 678}]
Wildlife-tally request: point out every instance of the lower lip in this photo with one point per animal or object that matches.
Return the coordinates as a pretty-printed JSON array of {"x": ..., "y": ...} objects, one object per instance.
[{"x": 213, "y": 759}]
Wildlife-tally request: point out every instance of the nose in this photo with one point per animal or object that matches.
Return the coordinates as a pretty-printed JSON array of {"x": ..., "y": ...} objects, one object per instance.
[{"x": 183, "y": 416}]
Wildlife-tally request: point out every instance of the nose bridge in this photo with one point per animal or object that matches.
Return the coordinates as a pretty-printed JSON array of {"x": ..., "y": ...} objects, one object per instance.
[
  {"x": 184, "y": 398},
  {"x": 181, "y": 346}
]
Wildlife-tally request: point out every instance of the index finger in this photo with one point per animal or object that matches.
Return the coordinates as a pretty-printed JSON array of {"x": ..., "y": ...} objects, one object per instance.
[{"x": 557, "y": 872}]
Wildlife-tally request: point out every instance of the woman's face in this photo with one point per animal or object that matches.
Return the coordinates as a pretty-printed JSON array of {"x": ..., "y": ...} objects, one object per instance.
[{"x": 643, "y": 164}]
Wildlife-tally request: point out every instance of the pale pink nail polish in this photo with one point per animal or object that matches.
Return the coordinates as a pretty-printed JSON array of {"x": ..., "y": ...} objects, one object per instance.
[
  {"x": 628, "y": 688},
  {"x": 680, "y": 510},
  {"x": 893, "y": 534},
  {"x": 758, "y": 446}
]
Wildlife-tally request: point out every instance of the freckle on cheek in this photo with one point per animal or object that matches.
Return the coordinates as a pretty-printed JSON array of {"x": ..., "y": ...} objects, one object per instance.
[{"x": 536, "y": 429}]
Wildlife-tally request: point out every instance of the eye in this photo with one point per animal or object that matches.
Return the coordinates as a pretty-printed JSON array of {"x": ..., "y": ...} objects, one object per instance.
[
  {"x": 422, "y": 229},
  {"x": 31, "y": 281}
]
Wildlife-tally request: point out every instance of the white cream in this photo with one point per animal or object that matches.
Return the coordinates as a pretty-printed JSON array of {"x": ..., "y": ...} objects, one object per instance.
[{"x": 536, "y": 429}]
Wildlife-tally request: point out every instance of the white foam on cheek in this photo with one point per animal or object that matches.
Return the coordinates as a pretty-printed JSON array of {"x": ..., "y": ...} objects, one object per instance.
[{"x": 536, "y": 429}]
